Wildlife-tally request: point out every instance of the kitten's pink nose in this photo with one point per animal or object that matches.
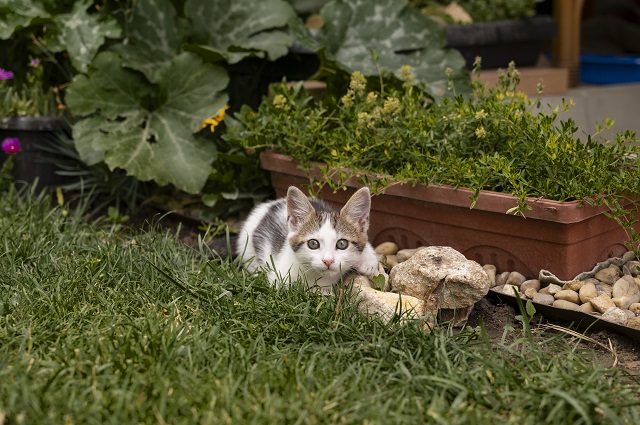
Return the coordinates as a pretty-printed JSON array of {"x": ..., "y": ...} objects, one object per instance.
[{"x": 327, "y": 263}]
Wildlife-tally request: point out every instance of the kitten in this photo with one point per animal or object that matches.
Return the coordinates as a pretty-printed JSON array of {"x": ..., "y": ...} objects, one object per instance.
[{"x": 299, "y": 236}]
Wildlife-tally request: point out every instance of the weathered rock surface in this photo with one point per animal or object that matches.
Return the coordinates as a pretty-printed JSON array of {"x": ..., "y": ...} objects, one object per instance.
[{"x": 441, "y": 277}]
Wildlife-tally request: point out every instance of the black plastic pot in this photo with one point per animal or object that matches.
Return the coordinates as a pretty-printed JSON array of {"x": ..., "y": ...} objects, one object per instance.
[
  {"x": 499, "y": 43},
  {"x": 38, "y": 138}
]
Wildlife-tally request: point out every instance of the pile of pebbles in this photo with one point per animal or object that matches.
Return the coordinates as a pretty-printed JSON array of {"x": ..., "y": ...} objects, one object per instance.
[{"x": 611, "y": 293}]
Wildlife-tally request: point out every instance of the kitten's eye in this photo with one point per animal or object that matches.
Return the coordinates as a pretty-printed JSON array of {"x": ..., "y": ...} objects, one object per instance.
[
  {"x": 313, "y": 244},
  {"x": 342, "y": 244}
]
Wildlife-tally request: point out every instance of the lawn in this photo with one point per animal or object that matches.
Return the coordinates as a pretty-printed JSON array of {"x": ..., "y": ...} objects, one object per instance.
[{"x": 103, "y": 324}]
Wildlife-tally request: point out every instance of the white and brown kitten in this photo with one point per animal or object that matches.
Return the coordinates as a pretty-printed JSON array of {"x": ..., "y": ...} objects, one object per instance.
[{"x": 299, "y": 236}]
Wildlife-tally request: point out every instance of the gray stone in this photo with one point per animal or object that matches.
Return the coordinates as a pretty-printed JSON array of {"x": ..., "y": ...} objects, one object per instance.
[
  {"x": 567, "y": 305},
  {"x": 602, "y": 303},
  {"x": 615, "y": 315},
  {"x": 387, "y": 248},
  {"x": 587, "y": 292},
  {"x": 608, "y": 275},
  {"x": 568, "y": 295},
  {"x": 501, "y": 279},
  {"x": 441, "y": 276},
  {"x": 529, "y": 293},
  {"x": 633, "y": 267},
  {"x": 553, "y": 289},
  {"x": 391, "y": 260},
  {"x": 586, "y": 308},
  {"x": 603, "y": 288},
  {"x": 490, "y": 269},
  {"x": 573, "y": 285},
  {"x": 530, "y": 284},
  {"x": 405, "y": 254},
  {"x": 634, "y": 323},
  {"x": 625, "y": 292},
  {"x": 545, "y": 299},
  {"x": 510, "y": 290},
  {"x": 515, "y": 278}
]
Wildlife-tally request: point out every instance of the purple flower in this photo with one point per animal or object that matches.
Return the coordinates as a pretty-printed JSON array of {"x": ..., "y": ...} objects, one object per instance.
[
  {"x": 11, "y": 145},
  {"x": 34, "y": 63},
  {"x": 5, "y": 75}
]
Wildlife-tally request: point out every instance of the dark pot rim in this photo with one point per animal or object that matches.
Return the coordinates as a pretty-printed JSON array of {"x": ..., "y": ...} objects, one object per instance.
[{"x": 48, "y": 123}]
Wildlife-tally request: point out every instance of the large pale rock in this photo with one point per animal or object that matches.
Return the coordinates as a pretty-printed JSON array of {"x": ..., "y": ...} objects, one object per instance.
[
  {"x": 385, "y": 304},
  {"x": 442, "y": 277}
]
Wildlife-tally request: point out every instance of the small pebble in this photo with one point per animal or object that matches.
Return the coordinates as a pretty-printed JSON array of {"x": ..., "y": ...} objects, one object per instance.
[
  {"x": 516, "y": 279},
  {"x": 624, "y": 302},
  {"x": 530, "y": 284},
  {"x": 635, "y": 308},
  {"x": 553, "y": 289},
  {"x": 586, "y": 308},
  {"x": 568, "y": 295},
  {"x": 510, "y": 290},
  {"x": 501, "y": 279},
  {"x": 530, "y": 292},
  {"x": 405, "y": 254},
  {"x": 634, "y": 323},
  {"x": 615, "y": 315},
  {"x": 633, "y": 267},
  {"x": 545, "y": 299},
  {"x": 387, "y": 248},
  {"x": 602, "y": 303},
  {"x": 573, "y": 285},
  {"x": 603, "y": 288},
  {"x": 392, "y": 260},
  {"x": 567, "y": 305},
  {"x": 490, "y": 269},
  {"x": 587, "y": 291},
  {"x": 608, "y": 275}
]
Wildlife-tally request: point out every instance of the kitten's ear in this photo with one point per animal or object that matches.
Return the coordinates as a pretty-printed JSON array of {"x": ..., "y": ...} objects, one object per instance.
[
  {"x": 298, "y": 207},
  {"x": 357, "y": 208}
]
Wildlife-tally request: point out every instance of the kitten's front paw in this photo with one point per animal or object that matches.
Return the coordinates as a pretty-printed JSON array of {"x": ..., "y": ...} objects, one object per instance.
[{"x": 369, "y": 266}]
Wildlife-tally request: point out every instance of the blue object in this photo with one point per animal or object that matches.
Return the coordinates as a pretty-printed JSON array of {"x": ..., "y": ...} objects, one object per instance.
[{"x": 609, "y": 69}]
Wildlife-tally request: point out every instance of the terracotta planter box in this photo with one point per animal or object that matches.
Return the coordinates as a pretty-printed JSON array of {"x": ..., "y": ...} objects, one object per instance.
[{"x": 561, "y": 237}]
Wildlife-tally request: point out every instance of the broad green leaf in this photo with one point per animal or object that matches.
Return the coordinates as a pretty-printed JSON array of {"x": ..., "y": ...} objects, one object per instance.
[
  {"x": 383, "y": 35},
  {"x": 16, "y": 14},
  {"x": 154, "y": 37},
  {"x": 81, "y": 34},
  {"x": 148, "y": 129},
  {"x": 250, "y": 28}
]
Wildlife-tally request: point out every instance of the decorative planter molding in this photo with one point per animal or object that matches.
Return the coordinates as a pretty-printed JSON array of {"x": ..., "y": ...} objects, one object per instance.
[
  {"x": 566, "y": 238},
  {"x": 37, "y": 135}
]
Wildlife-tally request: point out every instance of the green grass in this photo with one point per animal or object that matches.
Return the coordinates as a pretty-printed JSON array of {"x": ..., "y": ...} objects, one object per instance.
[{"x": 99, "y": 326}]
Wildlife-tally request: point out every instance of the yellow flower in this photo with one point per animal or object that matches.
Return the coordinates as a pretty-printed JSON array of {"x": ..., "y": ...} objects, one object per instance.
[
  {"x": 481, "y": 114},
  {"x": 358, "y": 83},
  {"x": 407, "y": 73},
  {"x": 391, "y": 106},
  {"x": 481, "y": 132},
  {"x": 372, "y": 97},
  {"x": 214, "y": 121}
]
